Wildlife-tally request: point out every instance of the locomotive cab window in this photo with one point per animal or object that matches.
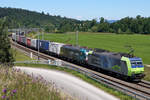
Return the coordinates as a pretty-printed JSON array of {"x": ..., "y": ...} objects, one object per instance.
[
  {"x": 133, "y": 63},
  {"x": 139, "y": 63},
  {"x": 136, "y": 64}
]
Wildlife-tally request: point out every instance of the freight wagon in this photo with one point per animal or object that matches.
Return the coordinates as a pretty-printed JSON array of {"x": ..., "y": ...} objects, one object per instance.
[
  {"x": 22, "y": 40},
  {"x": 74, "y": 53},
  {"x": 33, "y": 43},
  {"x": 54, "y": 48},
  {"x": 28, "y": 42},
  {"x": 17, "y": 38},
  {"x": 13, "y": 36},
  {"x": 43, "y": 45}
]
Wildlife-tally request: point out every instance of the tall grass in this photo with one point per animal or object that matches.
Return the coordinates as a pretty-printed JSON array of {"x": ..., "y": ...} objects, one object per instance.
[{"x": 16, "y": 85}]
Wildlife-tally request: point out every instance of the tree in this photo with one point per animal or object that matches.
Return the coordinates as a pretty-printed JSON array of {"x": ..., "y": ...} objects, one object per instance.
[
  {"x": 6, "y": 56},
  {"x": 119, "y": 31},
  {"x": 103, "y": 27},
  {"x": 49, "y": 28},
  {"x": 102, "y": 20},
  {"x": 128, "y": 31},
  {"x": 43, "y": 13},
  {"x": 93, "y": 23},
  {"x": 94, "y": 28}
]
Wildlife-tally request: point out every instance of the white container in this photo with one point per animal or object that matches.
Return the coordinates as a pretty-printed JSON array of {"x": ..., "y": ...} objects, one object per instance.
[
  {"x": 55, "y": 47},
  {"x": 14, "y": 36},
  {"x": 33, "y": 43}
]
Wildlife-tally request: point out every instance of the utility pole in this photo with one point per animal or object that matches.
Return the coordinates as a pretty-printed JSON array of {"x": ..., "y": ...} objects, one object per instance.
[
  {"x": 38, "y": 46},
  {"x": 42, "y": 35}
]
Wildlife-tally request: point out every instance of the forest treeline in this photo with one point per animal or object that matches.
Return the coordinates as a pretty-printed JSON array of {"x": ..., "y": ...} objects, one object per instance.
[
  {"x": 140, "y": 25},
  {"x": 20, "y": 18}
]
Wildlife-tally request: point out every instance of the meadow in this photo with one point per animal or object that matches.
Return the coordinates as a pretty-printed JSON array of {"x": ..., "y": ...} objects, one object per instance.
[
  {"x": 20, "y": 56},
  {"x": 111, "y": 42}
]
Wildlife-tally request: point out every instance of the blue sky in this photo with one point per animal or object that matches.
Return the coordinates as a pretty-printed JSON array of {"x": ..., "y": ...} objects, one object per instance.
[{"x": 84, "y": 9}]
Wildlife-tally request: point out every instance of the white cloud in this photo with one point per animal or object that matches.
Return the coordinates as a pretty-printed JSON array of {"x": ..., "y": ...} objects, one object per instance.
[{"x": 79, "y": 17}]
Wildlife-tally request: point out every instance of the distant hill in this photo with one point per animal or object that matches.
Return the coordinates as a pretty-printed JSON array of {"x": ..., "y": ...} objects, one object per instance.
[
  {"x": 111, "y": 21},
  {"x": 25, "y": 18}
]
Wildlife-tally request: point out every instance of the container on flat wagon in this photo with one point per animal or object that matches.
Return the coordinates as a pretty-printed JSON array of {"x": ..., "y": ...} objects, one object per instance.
[
  {"x": 21, "y": 39},
  {"x": 78, "y": 54},
  {"x": 24, "y": 40},
  {"x": 55, "y": 47},
  {"x": 33, "y": 43},
  {"x": 28, "y": 42},
  {"x": 17, "y": 38},
  {"x": 37, "y": 44},
  {"x": 44, "y": 45},
  {"x": 14, "y": 36}
]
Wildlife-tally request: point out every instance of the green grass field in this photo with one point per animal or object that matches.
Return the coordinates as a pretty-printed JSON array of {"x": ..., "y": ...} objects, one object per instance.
[
  {"x": 19, "y": 56},
  {"x": 112, "y": 42}
]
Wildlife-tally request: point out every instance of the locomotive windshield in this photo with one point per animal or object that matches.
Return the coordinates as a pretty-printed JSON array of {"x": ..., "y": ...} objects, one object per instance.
[{"x": 135, "y": 64}]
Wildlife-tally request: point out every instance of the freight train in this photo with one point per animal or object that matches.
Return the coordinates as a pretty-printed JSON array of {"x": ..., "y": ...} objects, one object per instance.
[{"x": 120, "y": 64}]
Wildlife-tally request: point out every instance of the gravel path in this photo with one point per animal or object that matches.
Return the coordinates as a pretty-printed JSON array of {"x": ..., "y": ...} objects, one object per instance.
[{"x": 69, "y": 84}]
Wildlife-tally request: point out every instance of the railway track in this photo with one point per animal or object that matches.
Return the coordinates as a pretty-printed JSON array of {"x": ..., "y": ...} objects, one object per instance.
[
  {"x": 144, "y": 84},
  {"x": 44, "y": 56},
  {"x": 139, "y": 90}
]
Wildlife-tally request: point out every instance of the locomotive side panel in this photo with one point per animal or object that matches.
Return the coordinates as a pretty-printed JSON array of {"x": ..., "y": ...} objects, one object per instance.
[
  {"x": 71, "y": 52},
  {"x": 108, "y": 63}
]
